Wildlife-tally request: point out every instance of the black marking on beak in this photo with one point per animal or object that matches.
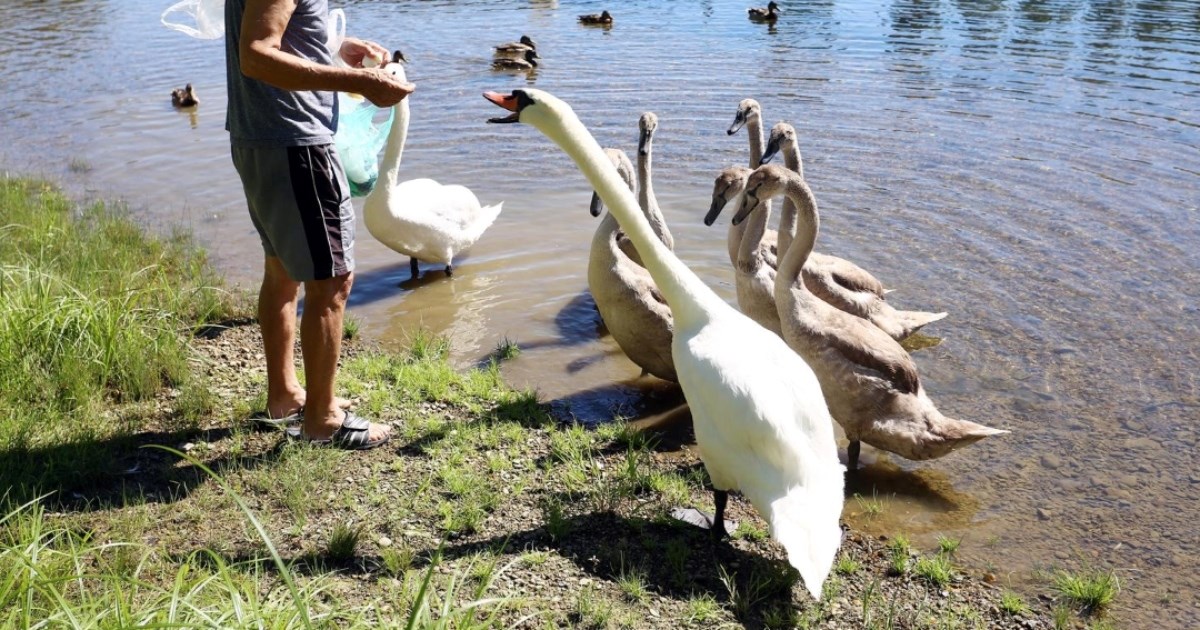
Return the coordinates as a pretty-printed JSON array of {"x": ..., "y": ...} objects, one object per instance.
[
  {"x": 398, "y": 56},
  {"x": 597, "y": 205},
  {"x": 749, "y": 204},
  {"x": 772, "y": 149},
  {"x": 714, "y": 211},
  {"x": 739, "y": 120},
  {"x": 643, "y": 140},
  {"x": 513, "y": 103}
]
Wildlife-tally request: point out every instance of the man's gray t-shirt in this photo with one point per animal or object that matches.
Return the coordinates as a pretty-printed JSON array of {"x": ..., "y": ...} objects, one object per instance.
[{"x": 261, "y": 115}]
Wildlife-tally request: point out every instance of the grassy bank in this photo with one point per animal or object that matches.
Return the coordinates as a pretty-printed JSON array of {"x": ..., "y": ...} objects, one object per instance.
[
  {"x": 483, "y": 512},
  {"x": 92, "y": 312}
]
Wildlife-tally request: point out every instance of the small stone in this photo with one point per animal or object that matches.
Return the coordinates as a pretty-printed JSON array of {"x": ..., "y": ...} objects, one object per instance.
[
  {"x": 1142, "y": 442},
  {"x": 1051, "y": 461},
  {"x": 1097, "y": 480},
  {"x": 1129, "y": 480},
  {"x": 186, "y": 448},
  {"x": 1062, "y": 555},
  {"x": 384, "y": 541},
  {"x": 1118, "y": 494},
  {"x": 1043, "y": 514}
]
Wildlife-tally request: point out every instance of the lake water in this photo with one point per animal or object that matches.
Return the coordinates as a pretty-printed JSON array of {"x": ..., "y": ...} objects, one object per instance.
[{"x": 1030, "y": 167}]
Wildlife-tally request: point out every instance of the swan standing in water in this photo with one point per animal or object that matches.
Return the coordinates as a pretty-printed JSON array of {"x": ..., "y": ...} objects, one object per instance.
[
  {"x": 761, "y": 423},
  {"x": 632, "y": 307},
  {"x": 870, "y": 382},
  {"x": 421, "y": 218},
  {"x": 840, "y": 282}
]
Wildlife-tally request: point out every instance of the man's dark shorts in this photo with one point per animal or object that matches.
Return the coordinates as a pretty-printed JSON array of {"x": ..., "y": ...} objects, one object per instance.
[{"x": 299, "y": 202}]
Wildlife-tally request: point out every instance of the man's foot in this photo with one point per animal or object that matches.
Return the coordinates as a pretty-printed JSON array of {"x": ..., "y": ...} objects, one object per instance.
[
  {"x": 295, "y": 407},
  {"x": 355, "y": 433}
]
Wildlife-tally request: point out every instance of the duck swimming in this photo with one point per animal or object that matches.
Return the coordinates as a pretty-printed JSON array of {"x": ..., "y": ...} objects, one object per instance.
[
  {"x": 184, "y": 97},
  {"x": 528, "y": 61},
  {"x": 602, "y": 18},
  {"x": 769, "y": 14},
  {"x": 516, "y": 48}
]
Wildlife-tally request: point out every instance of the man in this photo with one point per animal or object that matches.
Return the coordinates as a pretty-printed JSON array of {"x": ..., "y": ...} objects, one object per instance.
[{"x": 281, "y": 118}]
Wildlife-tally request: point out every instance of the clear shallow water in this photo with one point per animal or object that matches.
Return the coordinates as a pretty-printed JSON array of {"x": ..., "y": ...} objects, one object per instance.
[{"x": 1030, "y": 167}]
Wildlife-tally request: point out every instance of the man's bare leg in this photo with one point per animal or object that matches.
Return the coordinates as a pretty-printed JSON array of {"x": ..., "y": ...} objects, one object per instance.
[
  {"x": 277, "y": 299},
  {"x": 321, "y": 342}
]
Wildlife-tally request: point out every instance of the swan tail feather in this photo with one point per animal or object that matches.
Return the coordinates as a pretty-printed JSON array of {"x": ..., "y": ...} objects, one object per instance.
[
  {"x": 805, "y": 522},
  {"x": 487, "y": 215},
  {"x": 912, "y": 321}
]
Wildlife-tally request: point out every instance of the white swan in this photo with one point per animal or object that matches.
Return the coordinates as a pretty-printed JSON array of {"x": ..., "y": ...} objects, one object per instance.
[
  {"x": 633, "y": 309},
  {"x": 870, "y": 382},
  {"x": 761, "y": 424},
  {"x": 420, "y": 217},
  {"x": 840, "y": 282}
]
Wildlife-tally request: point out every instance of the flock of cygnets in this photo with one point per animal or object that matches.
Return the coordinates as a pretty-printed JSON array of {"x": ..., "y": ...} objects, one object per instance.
[{"x": 765, "y": 385}]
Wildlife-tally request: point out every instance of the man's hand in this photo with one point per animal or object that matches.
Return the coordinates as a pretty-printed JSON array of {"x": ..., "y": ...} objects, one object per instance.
[
  {"x": 354, "y": 50},
  {"x": 383, "y": 88}
]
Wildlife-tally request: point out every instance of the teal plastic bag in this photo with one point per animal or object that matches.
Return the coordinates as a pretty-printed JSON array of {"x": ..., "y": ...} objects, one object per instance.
[{"x": 362, "y": 130}]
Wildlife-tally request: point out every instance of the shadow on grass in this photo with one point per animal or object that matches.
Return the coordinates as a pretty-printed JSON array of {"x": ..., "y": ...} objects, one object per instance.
[
  {"x": 667, "y": 558},
  {"x": 120, "y": 471}
]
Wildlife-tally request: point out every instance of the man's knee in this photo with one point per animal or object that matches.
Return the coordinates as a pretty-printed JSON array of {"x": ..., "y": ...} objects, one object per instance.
[{"x": 330, "y": 292}]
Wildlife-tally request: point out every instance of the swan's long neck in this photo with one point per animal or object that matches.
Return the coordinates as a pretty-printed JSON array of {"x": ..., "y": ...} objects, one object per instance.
[
  {"x": 689, "y": 298},
  {"x": 397, "y": 136},
  {"x": 808, "y": 223},
  {"x": 737, "y": 233},
  {"x": 755, "y": 131},
  {"x": 646, "y": 198},
  {"x": 754, "y": 227},
  {"x": 787, "y": 216}
]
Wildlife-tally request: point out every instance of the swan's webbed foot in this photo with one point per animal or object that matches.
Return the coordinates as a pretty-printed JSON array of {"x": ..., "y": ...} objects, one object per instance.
[
  {"x": 852, "y": 455},
  {"x": 449, "y": 270},
  {"x": 412, "y": 266}
]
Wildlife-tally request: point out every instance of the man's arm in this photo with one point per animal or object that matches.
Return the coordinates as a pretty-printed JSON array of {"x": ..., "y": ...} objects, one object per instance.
[{"x": 262, "y": 58}]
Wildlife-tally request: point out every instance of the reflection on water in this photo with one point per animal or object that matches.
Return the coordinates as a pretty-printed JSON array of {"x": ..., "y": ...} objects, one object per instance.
[{"x": 1030, "y": 167}]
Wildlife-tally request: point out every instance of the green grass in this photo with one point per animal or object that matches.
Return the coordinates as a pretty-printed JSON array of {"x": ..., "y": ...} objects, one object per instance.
[
  {"x": 343, "y": 543},
  {"x": 845, "y": 565},
  {"x": 350, "y": 327},
  {"x": 870, "y": 507},
  {"x": 935, "y": 569},
  {"x": 899, "y": 550},
  {"x": 947, "y": 545},
  {"x": 702, "y": 608},
  {"x": 92, "y": 311},
  {"x": 633, "y": 585},
  {"x": 1013, "y": 604},
  {"x": 506, "y": 350},
  {"x": 1091, "y": 590}
]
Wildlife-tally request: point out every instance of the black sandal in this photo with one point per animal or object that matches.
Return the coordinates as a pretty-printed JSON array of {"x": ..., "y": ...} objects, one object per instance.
[
  {"x": 292, "y": 420},
  {"x": 353, "y": 435}
]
